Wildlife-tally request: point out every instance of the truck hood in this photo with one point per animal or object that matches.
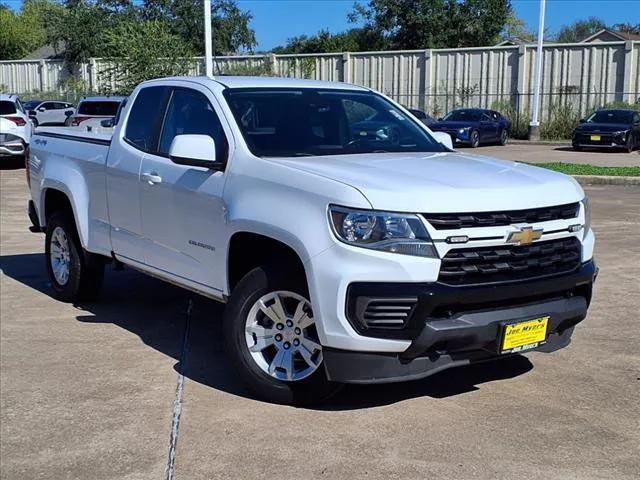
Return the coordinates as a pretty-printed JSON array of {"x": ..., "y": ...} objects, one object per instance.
[{"x": 443, "y": 182}]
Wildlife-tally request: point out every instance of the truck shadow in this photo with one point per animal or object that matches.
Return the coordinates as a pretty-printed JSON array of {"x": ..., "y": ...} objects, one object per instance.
[{"x": 161, "y": 314}]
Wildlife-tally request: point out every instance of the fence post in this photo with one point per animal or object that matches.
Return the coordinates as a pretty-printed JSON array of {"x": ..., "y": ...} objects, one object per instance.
[
  {"x": 42, "y": 74},
  {"x": 522, "y": 78},
  {"x": 93, "y": 75},
  {"x": 628, "y": 72},
  {"x": 273, "y": 67},
  {"x": 346, "y": 67},
  {"x": 426, "y": 84}
]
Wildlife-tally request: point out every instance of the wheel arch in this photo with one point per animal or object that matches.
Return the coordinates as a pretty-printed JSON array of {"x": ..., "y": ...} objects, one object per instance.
[
  {"x": 57, "y": 196},
  {"x": 248, "y": 249}
]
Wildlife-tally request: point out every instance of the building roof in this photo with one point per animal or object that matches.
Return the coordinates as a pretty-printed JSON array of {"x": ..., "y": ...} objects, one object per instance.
[
  {"x": 45, "y": 52},
  {"x": 624, "y": 36}
]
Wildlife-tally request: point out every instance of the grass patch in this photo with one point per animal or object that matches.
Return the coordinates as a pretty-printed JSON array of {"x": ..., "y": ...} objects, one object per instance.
[{"x": 577, "y": 169}]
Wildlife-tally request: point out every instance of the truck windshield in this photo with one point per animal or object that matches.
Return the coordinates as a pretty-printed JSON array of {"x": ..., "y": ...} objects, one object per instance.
[
  {"x": 107, "y": 109},
  {"x": 313, "y": 122}
]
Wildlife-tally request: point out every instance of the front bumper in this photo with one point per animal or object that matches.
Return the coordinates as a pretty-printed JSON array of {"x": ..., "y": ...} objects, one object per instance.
[
  {"x": 473, "y": 332},
  {"x": 607, "y": 140}
]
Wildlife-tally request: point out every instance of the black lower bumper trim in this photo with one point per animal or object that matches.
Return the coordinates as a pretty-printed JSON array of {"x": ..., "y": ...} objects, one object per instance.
[{"x": 365, "y": 368}]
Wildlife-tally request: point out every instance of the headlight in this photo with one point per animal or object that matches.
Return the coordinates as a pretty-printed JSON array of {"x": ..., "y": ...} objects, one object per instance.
[
  {"x": 464, "y": 130},
  {"x": 587, "y": 217},
  {"x": 388, "y": 232},
  {"x": 621, "y": 134}
]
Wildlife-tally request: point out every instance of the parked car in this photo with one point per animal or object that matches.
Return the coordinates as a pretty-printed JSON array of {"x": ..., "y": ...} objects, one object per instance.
[
  {"x": 422, "y": 116},
  {"x": 474, "y": 126},
  {"x": 15, "y": 127},
  {"x": 344, "y": 253},
  {"x": 608, "y": 129},
  {"x": 92, "y": 110},
  {"x": 49, "y": 112}
]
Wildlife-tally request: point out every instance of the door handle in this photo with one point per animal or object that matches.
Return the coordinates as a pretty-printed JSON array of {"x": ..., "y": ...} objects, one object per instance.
[{"x": 152, "y": 178}]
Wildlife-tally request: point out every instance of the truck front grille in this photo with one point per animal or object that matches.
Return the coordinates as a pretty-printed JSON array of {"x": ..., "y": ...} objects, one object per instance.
[
  {"x": 470, "y": 266},
  {"x": 453, "y": 221}
]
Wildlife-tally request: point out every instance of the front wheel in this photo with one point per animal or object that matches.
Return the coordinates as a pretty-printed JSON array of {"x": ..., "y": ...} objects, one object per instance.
[
  {"x": 74, "y": 274},
  {"x": 504, "y": 137},
  {"x": 629, "y": 147},
  {"x": 475, "y": 139},
  {"x": 272, "y": 341}
]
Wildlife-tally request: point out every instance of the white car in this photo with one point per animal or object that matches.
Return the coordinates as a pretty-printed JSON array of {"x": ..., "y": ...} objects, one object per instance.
[
  {"x": 92, "y": 110},
  {"x": 49, "y": 112},
  {"x": 15, "y": 127},
  {"x": 348, "y": 243}
]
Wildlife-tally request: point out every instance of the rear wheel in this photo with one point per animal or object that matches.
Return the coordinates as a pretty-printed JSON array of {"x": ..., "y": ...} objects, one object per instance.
[
  {"x": 475, "y": 139},
  {"x": 74, "y": 274},
  {"x": 272, "y": 341}
]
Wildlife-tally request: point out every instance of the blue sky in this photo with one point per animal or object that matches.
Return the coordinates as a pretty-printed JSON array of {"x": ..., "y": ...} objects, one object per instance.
[{"x": 276, "y": 20}]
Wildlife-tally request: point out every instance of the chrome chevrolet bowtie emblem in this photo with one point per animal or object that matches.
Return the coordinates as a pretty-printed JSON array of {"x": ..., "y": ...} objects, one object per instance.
[{"x": 524, "y": 236}]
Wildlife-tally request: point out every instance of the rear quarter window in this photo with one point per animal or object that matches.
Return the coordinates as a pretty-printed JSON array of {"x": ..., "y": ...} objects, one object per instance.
[
  {"x": 144, "y": 121},
  {"x": 7, "y": 108}
]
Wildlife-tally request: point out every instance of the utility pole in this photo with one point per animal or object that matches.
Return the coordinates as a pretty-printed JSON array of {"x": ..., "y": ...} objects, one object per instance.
[
  {"x": 534, "y": 126},
  {"x": 208, "y": 50}
]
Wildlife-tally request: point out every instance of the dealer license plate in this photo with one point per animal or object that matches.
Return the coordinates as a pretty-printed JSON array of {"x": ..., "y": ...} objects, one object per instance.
[
  {"x": 521, "y": 336},
  {"x": 595, "y": 138}
]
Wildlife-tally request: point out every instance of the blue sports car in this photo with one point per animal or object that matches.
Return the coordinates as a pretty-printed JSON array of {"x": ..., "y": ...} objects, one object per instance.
[{"x": 473, "y": 126}]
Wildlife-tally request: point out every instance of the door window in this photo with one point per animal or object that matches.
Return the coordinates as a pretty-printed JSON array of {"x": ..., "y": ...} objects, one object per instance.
[
  {"x": 145, "y": 118},
  {"x": 190, "y": 112}
]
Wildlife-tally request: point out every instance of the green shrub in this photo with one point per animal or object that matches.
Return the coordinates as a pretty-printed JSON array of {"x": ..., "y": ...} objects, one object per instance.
[{"x": 562, "y": 119}]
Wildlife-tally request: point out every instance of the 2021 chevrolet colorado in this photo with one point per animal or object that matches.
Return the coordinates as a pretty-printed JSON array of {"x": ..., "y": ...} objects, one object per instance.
[{"x": 348, "y": 243}]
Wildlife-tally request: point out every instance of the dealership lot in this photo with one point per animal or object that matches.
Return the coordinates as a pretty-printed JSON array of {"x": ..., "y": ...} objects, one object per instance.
[
  {"x": 89, "y": 391},
  {"x": 560, "y": 153}
]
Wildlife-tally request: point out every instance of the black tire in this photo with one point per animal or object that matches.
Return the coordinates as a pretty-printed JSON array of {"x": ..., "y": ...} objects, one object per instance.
[
  {"x": 257, "y": 283},
  {"x": 577, "y": 148},
  {"x": 474, "y": 139},
  {"x": 504, "y": 137},
  {"x": 629, "y": 147},
  {"x": 86, "y": 271},
  {"x": 35, "y": 122}
]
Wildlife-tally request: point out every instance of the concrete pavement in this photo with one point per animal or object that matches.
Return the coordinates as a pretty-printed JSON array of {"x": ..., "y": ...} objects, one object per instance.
[{"x": 89, "y": 391}]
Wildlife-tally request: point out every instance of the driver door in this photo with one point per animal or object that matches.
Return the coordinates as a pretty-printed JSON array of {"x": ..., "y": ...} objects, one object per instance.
[{"x": 182, "y": 209}]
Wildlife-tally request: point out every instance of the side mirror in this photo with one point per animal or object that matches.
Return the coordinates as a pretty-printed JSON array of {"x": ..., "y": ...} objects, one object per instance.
[
  {"x": 107, "y": 123},
  {"x": 443, "y": 138},
  {"x": 41, "y": 109},
  {"x": 32, "y": 113},
  {"x": 194, "y": 150},
  {"x": 582, "y": 120}
]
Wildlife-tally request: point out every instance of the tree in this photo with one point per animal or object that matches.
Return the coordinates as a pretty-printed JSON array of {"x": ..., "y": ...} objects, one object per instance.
[
  {"x": 79, "y": 30},
  {"x": 354, "y": 40},
  {"x": 627, "y": 28},
  {"x": 417, "y": 24},
  {"x": 579, "y": 30},
  {"x": 230, "y": 25},
  {"x": 143, "y": 51},
  {"x": 515, "y": 28},
  {"x": 24, "y": 32}
]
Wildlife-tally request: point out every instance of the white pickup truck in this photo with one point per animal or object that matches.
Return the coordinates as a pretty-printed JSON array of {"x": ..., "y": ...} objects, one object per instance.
[{"x": 349, "y": 244}]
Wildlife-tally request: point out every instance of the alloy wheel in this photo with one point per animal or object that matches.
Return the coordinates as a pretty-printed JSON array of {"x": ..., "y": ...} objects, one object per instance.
[
  {"x": 281, "y": 336},
  {"x": 60, "y": 256}
]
